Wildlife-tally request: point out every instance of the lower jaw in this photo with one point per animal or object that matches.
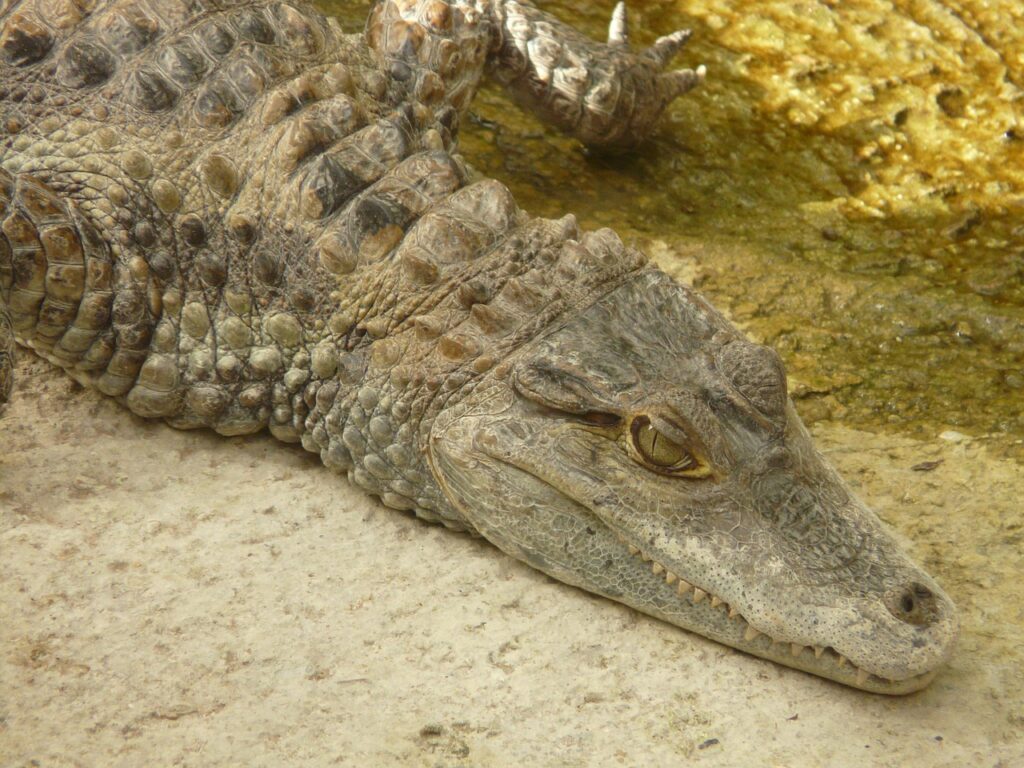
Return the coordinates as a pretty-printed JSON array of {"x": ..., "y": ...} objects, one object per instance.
[
  {"x": 708, "y": 615},
  {"x": 832, "y": 666}
]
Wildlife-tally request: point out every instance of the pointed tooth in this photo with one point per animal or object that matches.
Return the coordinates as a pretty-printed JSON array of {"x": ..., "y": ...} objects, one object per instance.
[
  {"x": 796, "y": 649},
  {"x": 670, "y": 578},
  {"x": 645, "y": 558},
  {"x": 657, "y": 568},
  {"x": 634, "y": 550},
  {"x": 684, "y": 587},
  {"x": 715, "y": 601},
  {"x": 818, "y": 650},
  {"x": 862, "y": 676},
  {"x": 842, "y": 661},
  {"x": 733, "y": 613},
  {"x": 699, "y": 594},
  {"x": 751, "y": 634}
]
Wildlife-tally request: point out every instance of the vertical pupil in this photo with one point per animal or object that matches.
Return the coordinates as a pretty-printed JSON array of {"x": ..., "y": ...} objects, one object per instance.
[{"x": 656, "y": 448}]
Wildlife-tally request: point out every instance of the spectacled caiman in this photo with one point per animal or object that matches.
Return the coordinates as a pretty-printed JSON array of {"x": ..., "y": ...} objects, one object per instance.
[{"x": 232, "y": 214}]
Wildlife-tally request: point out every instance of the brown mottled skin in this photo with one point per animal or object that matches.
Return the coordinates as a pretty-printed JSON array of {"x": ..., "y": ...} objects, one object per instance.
[{"x": 230, "y": 214}]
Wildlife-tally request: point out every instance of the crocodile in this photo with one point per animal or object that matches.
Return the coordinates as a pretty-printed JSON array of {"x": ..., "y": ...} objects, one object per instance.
[{"x": 232, "y": 214}]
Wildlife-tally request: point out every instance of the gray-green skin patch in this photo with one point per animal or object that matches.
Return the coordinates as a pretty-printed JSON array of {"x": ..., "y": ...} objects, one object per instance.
[{"x": 243, "y": 218}]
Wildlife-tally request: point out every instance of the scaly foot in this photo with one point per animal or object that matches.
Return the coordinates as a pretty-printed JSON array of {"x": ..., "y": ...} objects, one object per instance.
[{"x": 605, "y": 94}]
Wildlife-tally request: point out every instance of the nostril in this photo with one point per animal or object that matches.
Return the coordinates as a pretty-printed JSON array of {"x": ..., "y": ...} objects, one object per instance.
[{"x": 914, "y": 604}]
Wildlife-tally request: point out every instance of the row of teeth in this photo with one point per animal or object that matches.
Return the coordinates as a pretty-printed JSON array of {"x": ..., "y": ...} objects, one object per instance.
[{"x": 697, "y": 595}]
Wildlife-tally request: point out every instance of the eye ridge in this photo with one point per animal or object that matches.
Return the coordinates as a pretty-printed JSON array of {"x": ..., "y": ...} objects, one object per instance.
[{"x": 660, "y": 452}]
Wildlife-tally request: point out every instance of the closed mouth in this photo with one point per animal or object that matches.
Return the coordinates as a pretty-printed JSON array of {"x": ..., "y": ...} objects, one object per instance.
[{"x": 824, "y": 661}]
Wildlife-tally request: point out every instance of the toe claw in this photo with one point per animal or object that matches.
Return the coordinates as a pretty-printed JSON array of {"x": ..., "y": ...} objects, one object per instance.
[
  {"x": 682, "y": 80},
  {"x": 618, "y": 28},
  {"x": 666, "y": 47}
]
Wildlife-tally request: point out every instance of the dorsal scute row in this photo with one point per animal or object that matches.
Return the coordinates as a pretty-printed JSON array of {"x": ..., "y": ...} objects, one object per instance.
[
  {"x": 152, "y": 55},
  {"x": 433, "y": 49}
]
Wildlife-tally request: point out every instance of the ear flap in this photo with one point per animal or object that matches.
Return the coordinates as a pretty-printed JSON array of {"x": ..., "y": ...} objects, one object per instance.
[{"x": 563, "y": 387}]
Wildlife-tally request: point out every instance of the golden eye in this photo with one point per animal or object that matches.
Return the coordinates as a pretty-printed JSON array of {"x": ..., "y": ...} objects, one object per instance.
[{"x": 662, "y": 453}]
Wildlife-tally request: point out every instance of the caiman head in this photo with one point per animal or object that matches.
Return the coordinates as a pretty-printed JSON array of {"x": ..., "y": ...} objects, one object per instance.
[{"x": 645, "y": 450}]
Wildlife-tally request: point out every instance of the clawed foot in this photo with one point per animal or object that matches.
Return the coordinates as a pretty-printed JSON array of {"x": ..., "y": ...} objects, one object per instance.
[
  {"x": 671, "y": 84},
  {"x": 606, "y": 94}
]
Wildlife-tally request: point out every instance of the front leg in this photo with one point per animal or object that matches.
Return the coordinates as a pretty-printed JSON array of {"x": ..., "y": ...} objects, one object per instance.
[{"x": 604, "y": 94}]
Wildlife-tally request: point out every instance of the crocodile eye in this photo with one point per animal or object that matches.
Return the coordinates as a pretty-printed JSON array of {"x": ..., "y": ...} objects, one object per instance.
[{"x": 661, "y": 453}]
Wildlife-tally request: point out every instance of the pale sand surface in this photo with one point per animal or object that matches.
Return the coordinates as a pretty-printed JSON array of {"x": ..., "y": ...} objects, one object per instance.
[{"x": 173, "y": 598}]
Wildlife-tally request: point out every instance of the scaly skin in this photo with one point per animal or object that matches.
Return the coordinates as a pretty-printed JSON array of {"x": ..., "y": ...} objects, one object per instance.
[
  {"x": 6, "y": 356},
  {"x": 232, "y": 215}
]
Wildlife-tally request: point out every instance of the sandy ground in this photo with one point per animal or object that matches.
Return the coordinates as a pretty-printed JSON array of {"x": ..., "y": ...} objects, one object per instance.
[{"x": 172, "y": 598}]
